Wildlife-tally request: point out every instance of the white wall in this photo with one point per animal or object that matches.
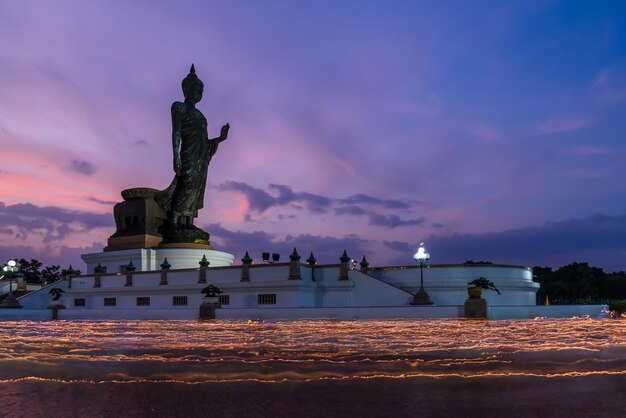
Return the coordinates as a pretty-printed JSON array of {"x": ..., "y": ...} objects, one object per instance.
[
  {"x": 369, "y": 291},
  {"x": 447, "y": 284},
  {"x": 40, "y": 299},
  {"x": 150, "y": 259}
]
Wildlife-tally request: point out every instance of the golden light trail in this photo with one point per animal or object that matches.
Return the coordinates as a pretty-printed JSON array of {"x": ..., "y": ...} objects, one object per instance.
[{"x": 191, "y": 352}]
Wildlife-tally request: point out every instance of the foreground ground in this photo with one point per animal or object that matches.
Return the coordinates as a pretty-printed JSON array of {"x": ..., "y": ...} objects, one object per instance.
[
  {"x": 388, "y": 368},
  {"x": 591, "y": 396}
]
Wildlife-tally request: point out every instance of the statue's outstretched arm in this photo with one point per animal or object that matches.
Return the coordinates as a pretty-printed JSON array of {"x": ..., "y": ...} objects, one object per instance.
[{"x": 223, "y": 134}]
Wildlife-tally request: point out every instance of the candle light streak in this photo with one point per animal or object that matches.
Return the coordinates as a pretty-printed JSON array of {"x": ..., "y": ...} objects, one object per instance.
[{"x": 89, "y": 352}]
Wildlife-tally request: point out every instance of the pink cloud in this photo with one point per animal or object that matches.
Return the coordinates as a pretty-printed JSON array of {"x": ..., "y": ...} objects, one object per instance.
[
  {"x": 589, "y": 150},
  {"x": 610, "y": 85},
  {"x": 483, "y": 131},
  {"x": 581, "y": 173},
  {"x": 564, "y": 124}
]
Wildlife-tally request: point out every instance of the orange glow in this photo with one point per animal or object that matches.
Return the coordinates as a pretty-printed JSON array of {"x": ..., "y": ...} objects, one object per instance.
[{"x": 192, "y": 352}]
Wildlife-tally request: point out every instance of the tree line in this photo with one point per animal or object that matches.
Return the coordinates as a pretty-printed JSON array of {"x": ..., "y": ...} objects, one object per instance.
[
  {"x": 578, "y": 283},
  {"x": 34, "y": 271}
]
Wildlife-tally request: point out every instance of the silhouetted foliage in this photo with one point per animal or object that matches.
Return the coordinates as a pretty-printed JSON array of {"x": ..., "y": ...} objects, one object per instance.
[
  {"x": 579, "y": 283},
  {"x": 50, "y": 274},
  {"x": 30, "y": 269},
  {"x": 484, "y": 283},
  {"x": 477, "y": 262},
  {"x": 34, "y": 273}
]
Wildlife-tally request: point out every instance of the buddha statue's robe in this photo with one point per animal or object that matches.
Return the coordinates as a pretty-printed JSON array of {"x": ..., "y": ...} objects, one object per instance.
[{"x": 185, "y": 194}]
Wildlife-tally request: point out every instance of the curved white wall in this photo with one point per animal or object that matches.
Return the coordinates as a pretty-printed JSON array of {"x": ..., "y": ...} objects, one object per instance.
[
  {"x": 447, "y": 284},
  {"x": 148, "y": 259}
]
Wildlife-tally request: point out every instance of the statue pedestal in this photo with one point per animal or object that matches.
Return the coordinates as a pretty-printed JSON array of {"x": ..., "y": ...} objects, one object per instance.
[
  {"x": 9, "y": 302},
  {"x": 55, "y": 305},
  {"x": 137, "y": 220},
  {"x": 132, "y": 241},
  {"x": 208, "y": 307},
  {"x": 476, "y": 308}
]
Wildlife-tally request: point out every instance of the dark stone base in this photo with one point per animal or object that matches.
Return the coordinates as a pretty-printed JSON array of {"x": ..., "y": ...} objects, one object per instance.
[
  {"x": 421, "y": 298},
  {"x": 133, "y": 241},
  {"x": 9, "y": 302},
  {"x": 192, "y": 235},
  {"x": 207, "y": 310},
  {"x": 476, "y": 308}
]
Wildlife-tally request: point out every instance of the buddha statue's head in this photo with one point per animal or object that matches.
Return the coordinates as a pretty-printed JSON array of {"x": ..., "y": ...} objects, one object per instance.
[{"x": 192, "y": 87}]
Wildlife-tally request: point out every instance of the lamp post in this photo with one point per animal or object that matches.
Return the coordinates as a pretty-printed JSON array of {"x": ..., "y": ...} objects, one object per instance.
[
  {"x": 10, "y": 270},
  {"x": 421, "y": 297}
]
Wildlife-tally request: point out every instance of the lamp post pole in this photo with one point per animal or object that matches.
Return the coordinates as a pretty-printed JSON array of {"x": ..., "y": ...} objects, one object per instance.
[
  {"x": 9, "y": 301},
  {"x": 421, "y": 297}
]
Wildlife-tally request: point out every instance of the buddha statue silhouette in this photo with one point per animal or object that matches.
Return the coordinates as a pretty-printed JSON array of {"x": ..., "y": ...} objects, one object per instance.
[{"x": 193, "y": 151}]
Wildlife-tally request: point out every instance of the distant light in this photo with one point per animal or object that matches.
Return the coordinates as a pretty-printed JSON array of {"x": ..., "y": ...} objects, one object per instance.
[
  {"x": 421, "y": 255},
  {"x": 12, "y": 263}
]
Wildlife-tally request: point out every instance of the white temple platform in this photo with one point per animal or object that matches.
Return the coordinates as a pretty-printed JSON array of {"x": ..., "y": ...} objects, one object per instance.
[{"x": 150, "y": 259}]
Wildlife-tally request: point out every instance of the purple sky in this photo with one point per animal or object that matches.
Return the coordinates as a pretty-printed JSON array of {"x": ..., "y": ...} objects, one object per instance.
[{"x": 490, "y": 130}]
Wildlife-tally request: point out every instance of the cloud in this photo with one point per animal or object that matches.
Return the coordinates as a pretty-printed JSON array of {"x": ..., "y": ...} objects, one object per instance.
[
  {"x": 589, "y": 150},
  {"x": 53, "y": 222},
  {"x": 361, "y": 198},
  {"x": 350, "y": 210},
  {"x": 101, "y": 201},
  {"x": 581, "y": 173},
  {"x": 482, "y": 131},
  {"x": 598, "y": 239},
  {"x": 315, "y": 203},
  {"x": 258, "y": 200},
  {"x": 393, "y": 221},
  {"x": 281, "y": 195},
  {"x": 83, "y": 167},
  {"x": 50, "y": 254},
  {"x": 564, "y": 124},
  {"x": 610, "y": 84},
  {"x": 325, "y": 248}
]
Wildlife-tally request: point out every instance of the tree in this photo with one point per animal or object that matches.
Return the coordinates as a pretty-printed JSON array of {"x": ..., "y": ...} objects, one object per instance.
[
  {"x": 579, "y": 283},
  {"x": 614, "y": 286},
  {"x": 31, "y": 270},
  {"x": 50, "y": 274}
]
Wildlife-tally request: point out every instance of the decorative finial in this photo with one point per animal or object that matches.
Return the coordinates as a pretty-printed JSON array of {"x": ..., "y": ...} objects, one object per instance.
[
  {"x": 130, "y": 267},
  {"x": 344, "y": 257},
  {"x": 99, "y": 269},
  {"x": 294, "y": 255},
  {"x": 204, "y": 262},
  {"x": 192, "y": 70},
  {"x": 246, "y": 259},
  {"x": 165, "y": 265},
  {"x": 311, "y": 260}
]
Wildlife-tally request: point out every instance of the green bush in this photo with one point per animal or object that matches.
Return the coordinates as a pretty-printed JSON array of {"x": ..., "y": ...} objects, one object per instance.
[
  {"x": 484, "y": 283},
  {"x": 618, "y": 306}
]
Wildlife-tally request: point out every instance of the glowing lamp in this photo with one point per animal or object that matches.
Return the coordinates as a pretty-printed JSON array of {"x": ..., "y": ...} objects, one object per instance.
[{"x": 421, "y": 297}]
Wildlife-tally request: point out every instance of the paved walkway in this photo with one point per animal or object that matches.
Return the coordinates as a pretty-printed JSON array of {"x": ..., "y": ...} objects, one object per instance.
[{"x": 595, "y": 396}]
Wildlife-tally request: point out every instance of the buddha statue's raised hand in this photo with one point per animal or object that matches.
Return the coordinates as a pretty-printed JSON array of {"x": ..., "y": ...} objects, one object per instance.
[{"x": 224, "y": 132}]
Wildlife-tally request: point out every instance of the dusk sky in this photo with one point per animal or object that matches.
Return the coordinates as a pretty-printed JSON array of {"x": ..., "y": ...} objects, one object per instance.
[{"x": 490, "y": 130}]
